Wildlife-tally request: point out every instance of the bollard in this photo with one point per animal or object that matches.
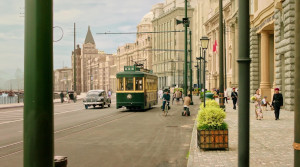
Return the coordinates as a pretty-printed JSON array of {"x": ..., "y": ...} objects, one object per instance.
[{"x": 60, "y": 161}]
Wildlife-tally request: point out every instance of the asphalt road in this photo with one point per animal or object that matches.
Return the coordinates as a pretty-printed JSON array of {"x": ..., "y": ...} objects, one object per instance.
[{"x": 105, "y": 137}]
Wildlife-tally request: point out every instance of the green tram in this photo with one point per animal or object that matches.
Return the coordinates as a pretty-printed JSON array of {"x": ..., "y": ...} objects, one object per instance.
[{"x": 136, "y": 88}]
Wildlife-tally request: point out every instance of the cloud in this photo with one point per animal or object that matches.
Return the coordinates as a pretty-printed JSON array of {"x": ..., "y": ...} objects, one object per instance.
[
  {"x": 66, "y": 15},
  {"x": 102, "y": 16}
]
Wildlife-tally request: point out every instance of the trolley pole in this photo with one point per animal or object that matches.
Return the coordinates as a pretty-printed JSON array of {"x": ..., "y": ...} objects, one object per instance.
[
  {"x": 297, "y": 88},
  {"x": 185, "y": 22},
  {"x": 38, "y": 85},
  {"x": 191, "y": 72},
  {"x": 221, "y": 68},
  {"x": 244, "y": 86}
]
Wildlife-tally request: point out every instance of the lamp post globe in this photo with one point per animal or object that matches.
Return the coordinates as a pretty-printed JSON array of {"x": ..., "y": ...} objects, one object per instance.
[{"x": 204, "y": 42}]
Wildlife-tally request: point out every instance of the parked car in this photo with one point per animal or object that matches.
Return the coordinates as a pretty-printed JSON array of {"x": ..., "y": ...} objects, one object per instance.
[{"x": 96, "y": 98}]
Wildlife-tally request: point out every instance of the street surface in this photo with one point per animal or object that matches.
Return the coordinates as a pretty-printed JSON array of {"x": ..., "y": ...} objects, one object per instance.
[
  {"x": 106, "y": 137},
  {"x": 270, "y": 142}
]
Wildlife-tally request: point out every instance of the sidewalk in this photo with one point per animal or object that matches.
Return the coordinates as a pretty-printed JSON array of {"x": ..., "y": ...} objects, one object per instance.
[
  {"x": 15, "y": 105},
  {"x": 270, "y": 142}
]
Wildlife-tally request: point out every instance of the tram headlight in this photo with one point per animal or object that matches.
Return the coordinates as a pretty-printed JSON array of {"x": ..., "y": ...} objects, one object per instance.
[{"x": 129, "y": 96}]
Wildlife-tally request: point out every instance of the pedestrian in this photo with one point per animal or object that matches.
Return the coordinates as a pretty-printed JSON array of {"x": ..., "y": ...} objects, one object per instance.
[
  {"x": 160, "y": 93},
  {"x": 264, "y": 103},
  {"x": 75, "y": 97},
  {"x": 61, "y": 96},
  {"x": 109, "y": 93},
  {"x": 258, "y": 110},
  {"x": 68, "y": 97},
  {"x": 234, "y": 97},
  {"x": 225, "y": 96},
  {"x": 186, "y": 104},
  {"x": 277, "y": 103},
  {"x": 177, "y": 95}
]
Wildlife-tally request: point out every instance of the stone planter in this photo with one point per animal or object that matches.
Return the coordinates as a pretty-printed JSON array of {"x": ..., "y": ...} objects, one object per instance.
[{"x": 212, "y": 139}]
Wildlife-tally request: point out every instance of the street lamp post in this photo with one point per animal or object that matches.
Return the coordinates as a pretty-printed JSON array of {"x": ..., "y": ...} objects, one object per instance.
[
  {"x": 191, "y": 72},
  {"x": 221, "y": 70},
  {"x": 199, "y": 70},
  {"x": 38, "y": 121},
  {"x": 244, "y": 86},
  {"x": 297, "y": 88},
  {"x": 200, "y": 57},
  {"x": 186, "y": 24},
  {"x": 197, "y": 66},
  {"x": 204, "y": 46}
]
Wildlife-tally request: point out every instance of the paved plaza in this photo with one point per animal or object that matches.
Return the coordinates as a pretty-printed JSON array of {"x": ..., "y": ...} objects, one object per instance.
[{"x": 270, "y": 142}]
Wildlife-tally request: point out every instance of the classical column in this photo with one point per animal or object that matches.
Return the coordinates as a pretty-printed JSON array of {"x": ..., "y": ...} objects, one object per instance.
[
  {"x": 235, "y": 56},
  {"x": 265, "y": 84},
  {"x": 232, "y": 36}
]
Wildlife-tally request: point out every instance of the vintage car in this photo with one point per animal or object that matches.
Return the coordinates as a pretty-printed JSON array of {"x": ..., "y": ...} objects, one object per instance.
[{"x": 96, "y": 98}]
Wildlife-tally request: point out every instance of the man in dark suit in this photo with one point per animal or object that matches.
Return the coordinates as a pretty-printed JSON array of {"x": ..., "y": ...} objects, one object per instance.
[
  {"x": 234, "y": 97},
  {"x": 277, "y": 102}
]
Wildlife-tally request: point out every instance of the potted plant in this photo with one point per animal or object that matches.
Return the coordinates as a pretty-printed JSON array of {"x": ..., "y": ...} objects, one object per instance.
[
  {"x": 212, "y": 131},
  {"x": 202, "y": 94}
]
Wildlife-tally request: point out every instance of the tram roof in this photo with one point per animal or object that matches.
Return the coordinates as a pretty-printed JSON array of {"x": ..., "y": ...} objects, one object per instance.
[{"x": 133, "y": 74}]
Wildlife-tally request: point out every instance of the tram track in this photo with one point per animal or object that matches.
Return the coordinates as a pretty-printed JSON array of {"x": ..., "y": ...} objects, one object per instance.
[{"x": 14, "y": 148}]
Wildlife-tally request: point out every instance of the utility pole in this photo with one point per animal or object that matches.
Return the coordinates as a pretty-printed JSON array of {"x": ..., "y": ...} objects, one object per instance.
[
  {"x": 74, "y": 58},
  {"x": 191, "y": 72},
  {"x": 221, "y": 58},
  {"x": 297, "y": 88},
  {"x": 244, "y": 84},
  {"x": 185, "y": 22},
  {"x": 38, "y": 84}
]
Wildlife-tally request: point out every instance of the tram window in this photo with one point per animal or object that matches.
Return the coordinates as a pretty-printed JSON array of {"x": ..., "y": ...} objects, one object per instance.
[
  {"x": 129, "y": 83},
  {"x": 120, "y": 84},
  {"x": 138, "y": 83}
]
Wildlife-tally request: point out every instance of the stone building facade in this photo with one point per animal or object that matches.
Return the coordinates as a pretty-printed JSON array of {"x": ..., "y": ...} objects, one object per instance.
[
  {"x": 206, "y": 23},
  {"x": 63, "y": 79},
  {"x": 168, "y": 48},
  {"x": 139, "y": 52},
  {"x": 272, "y": 42},
  {"x": 93, "y": 66},
  {"x": 78, "y": 69}
]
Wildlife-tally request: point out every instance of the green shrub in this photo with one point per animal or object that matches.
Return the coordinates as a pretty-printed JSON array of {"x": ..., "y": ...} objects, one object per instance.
[
  {"x": 224, "y": 126},
  {"x": 210, "y": 103},
  {"x": 211, "y": 117}
]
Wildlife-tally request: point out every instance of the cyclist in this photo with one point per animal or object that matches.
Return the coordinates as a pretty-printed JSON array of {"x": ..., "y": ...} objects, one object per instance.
[
  {"x": 187, "y": 102},
  {"x": 166, "y": 98}
]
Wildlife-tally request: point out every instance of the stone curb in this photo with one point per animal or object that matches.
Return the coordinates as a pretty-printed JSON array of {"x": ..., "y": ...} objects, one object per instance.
[{"x": 194, "y": 138}]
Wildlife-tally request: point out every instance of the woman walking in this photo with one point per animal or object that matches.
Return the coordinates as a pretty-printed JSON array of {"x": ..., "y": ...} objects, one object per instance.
[
  {"x": 258, "y": 110},
  {"x": 277, "y": 102}
]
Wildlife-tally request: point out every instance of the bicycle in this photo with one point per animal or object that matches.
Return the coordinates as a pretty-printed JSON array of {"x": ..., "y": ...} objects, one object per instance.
[{"x": 167, "y": 105}]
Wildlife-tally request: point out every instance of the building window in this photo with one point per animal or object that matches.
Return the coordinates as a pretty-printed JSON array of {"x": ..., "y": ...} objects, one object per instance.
[
  {"x": 120, "y": 84},
  {"x": 138, "y": 83},
  {"x": 129, "y": 83}
]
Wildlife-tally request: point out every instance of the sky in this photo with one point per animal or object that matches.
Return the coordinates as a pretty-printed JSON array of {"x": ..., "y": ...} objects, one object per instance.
[{"x": 102, "y": 16}]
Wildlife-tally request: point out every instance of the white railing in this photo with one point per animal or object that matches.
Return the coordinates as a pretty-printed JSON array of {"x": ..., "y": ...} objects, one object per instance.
[{"x": 10, "y": 99}]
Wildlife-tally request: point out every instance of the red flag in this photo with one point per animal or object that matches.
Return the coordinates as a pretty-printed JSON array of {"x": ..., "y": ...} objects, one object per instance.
[{"x": 215, "y": 46}]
